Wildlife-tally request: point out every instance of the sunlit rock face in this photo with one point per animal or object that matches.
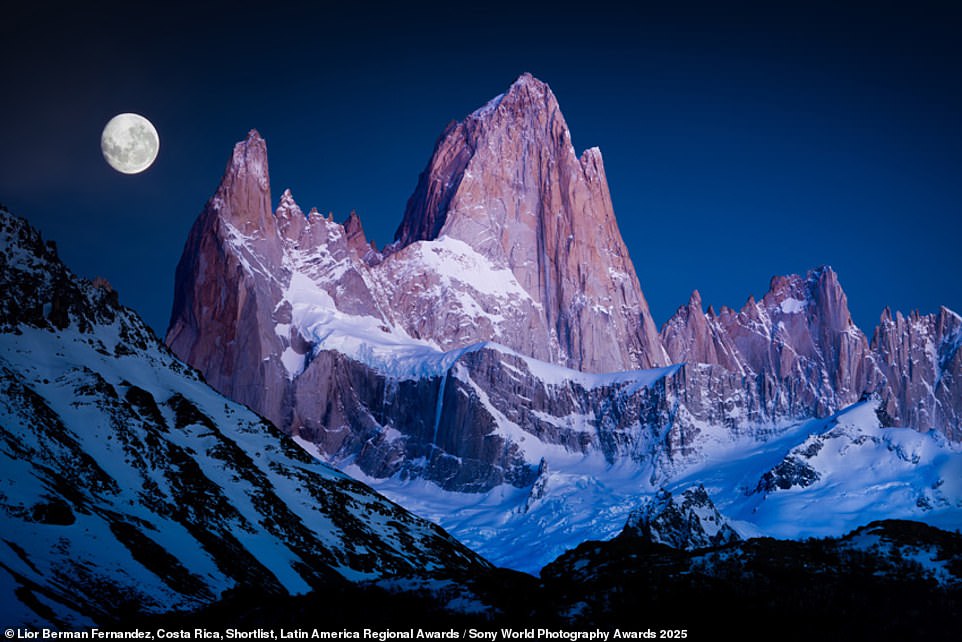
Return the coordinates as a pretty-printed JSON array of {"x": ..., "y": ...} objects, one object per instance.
[{"x": 508, "y": 182}]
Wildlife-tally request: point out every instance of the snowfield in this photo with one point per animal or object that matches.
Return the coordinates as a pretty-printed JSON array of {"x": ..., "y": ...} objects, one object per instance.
[{"x": 864, "y": 473}]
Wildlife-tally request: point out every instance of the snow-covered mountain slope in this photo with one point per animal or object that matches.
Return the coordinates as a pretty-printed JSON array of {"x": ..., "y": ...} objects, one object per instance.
[
  {"x": 825, "y": 477},
  {"x": 817, "y": 478},
  {"x": 848, "y": 471},
  {"x": 130, "y": 486}
]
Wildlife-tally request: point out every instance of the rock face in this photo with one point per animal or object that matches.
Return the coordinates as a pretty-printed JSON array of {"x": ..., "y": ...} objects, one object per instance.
[
  {"x": 800, "y": 339},
  {"x": 507, "y": 182},
  {"x": 480, "y": 338},
  {"x": 129, "y": 487},
  {"x": 920, "y": 357},
  {"x": 225, "y": 291},
  {"x": 799, "y": 349}
]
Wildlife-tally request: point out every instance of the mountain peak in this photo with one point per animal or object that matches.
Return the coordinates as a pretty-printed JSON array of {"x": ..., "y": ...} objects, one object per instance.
[
  {"x": 686, "y": 522},
  {"x": 250, "y": 154},
  {"x": 354, "y": 232},
  {"x": 822, "y": 271},
  {"x": 289, "y": 217},
  {"x": 243, "y": 197},
  {"x": 507, "y": 182},
  {"x": 525, "y": 94},
  {"x": 527, "y": 87},
  {"x": 527, "y": 79},
  {"x": 287, "y": 205},
  {"x": 487, "y": 146},
  {"x": 530, "y": 109}
]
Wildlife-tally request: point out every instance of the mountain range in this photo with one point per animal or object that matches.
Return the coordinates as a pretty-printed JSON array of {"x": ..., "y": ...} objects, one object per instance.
[
  {"x": 502, "y": 351},
  {"x": 328, "y": 424}
]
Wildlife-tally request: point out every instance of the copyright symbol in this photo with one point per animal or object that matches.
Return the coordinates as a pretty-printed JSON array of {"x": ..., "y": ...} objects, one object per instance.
[{"x": 10, "y": 633}]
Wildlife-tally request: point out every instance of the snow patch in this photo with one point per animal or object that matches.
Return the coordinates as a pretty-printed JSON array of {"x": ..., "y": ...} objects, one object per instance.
[
  {"x": 488, "y": 107},
  {"x": 792, "y": 306}
]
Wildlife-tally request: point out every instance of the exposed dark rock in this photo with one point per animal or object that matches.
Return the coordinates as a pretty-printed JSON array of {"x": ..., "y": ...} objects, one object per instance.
[{"x": 687, "y": 522}]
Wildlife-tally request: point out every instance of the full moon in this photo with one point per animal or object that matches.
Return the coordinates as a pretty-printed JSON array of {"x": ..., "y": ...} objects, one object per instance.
[{"x": 129, "y": 143}]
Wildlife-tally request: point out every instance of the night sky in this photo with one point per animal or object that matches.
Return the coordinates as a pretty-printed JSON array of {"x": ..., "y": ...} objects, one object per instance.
[{"x": 739, "y": 141}]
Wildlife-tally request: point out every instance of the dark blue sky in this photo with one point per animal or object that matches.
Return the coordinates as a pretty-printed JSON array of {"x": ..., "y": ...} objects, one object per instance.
[{"x": 741, "y": 140}]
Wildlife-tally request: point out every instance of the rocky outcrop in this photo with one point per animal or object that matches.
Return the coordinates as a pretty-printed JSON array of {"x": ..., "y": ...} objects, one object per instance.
[
  {"x": 689, "y": 521},
  {"x": 465, "y": 430},
  {"x": 885, "y": 580}
]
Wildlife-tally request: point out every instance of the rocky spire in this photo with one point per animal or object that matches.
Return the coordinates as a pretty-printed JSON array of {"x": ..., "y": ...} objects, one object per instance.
[
  {"x": 920, "y": 357},
  {"x": 228, "y": 281},
  {"x": 289, "y": 217},
  {"x": 354, "y": 234},
  {"x": 244, "y": 195},
  {"x": 506, "y": 181},
  {"x": 691, "y": 336}
]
